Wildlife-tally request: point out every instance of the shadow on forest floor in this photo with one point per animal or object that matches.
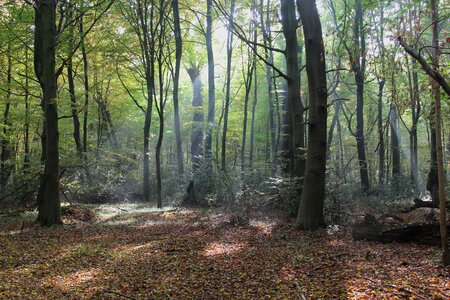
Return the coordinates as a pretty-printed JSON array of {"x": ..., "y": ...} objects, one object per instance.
[{"x": 187, "y": 254}]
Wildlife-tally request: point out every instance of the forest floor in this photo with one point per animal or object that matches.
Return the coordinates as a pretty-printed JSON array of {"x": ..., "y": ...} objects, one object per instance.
[{"x": 139, "y": 253}]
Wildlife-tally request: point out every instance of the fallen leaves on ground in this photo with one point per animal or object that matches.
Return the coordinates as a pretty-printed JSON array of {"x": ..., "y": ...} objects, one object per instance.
[{"x": 186, "y": 254}]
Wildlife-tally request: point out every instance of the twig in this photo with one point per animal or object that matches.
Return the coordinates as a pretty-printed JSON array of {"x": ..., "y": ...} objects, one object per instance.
[
  {"x": 118, "y": 294},
  {"x": 23, "y": 226}
]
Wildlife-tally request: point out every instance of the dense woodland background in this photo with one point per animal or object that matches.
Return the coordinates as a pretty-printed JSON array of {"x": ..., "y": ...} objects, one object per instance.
[
  {"x": 316, "y": 109},
  {"x": 123, "y": 66},
  {"x": 219, "y": 116}
]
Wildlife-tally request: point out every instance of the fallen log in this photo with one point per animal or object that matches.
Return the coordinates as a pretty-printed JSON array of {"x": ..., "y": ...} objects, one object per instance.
[
  {"x": 371, "y": 230},
  {"x": 425, "y": 234},
  {"x": 419, "y": 203}
]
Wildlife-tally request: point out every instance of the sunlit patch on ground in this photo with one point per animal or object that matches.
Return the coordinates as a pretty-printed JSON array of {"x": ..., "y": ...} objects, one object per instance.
[
  {"x": 265, "y": 227},
  {"x": 108, "y": 211},
  {"x": 70, "y": 281},
  {"x": 221, "y": 248},
  {"x": 148, "y": 248}
]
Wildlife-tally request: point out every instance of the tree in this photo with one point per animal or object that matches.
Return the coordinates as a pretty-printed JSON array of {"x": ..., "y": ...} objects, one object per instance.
[
  {"x": 176, "y": 79},
  {"x": 6, "y": 152},
  {"x": 227, "y": 84},
  {"x": 267, "y": 42},
  {"x": 44, "y": 65},
  {"x": 247, "y": 73},
  {"x": 145, "y": 32},
  {"x": 211, "y": 83},
  {"x": 197, "y": 125},
  {"x": 438, "y": 136},
  {"x": 310, "y": 215},
  {"x": 436, "y": 177},
  {"x": 296, "y": 109},
  {"x": 357, "y": 56},
  {"x": 70, "y": 79}
]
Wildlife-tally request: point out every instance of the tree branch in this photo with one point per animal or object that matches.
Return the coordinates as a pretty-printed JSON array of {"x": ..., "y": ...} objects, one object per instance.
[{"x": 436, "y": 75}]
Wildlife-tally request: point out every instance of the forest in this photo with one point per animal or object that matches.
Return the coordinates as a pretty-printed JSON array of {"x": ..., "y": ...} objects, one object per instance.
[{"x": 224, "y": 149}]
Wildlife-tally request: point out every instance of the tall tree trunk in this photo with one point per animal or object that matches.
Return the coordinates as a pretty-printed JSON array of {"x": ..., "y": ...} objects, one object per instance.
[
  {"x": 5, "y": 155},
  {"x": 381, "y": 150},
  {"x": 197, "y": 104},
  {"x": 211, "y": 84},
  {"x": 340, "y": 159},
  {"x": 227, "y": 85},
  {"x": 252, "y": 121},
  {"x": 381, "y": 83},
  {"x": 359, "y": 66},
  {"x": 288, "y": 166},
  {"x": 433, "y": 175},
  {"x": 44, "y": 62},
  {"x": 158, "y": 157},
  {"x": 148, "y": 51},
  {"x": 297, "y": 144},
  {"x": 70, "y": 79},
  {"x": 438, "y": 136},
  {"x": 162, "y": 98},
  {"x": 310, "y": 214},
  {"x": 415, "y": 105},
  {"x": 26, "y": 140},
  {"x": 416, "y": 109},
  {"x": 395, "y": 136},
  {"x": 176, "y": 110},
  {"x": 395, "y": 146},
  {"x": 73, "y": 105},
  {"x": 248, "y": 77},
  {"x": 267, "y": 41},
  {"x": 432, "y": 180},
  {"x": 337, "y": 109},
  {"x": 86, "y": 97}
]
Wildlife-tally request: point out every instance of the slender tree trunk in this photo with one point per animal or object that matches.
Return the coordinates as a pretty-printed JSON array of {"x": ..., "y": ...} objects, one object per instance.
[
  {"x": 176, "y": 110},
  {"x": 337, "y": 109},
  {"x": 381, "y": 150},
  {"x": 279, "y": 108},
  {"x": 86, "y": 98},
  {"x": 158, "y": 158},
  {"x": 432, "y": 180},
  {"x": 359, "y": 69},
  {"x": 26, "y": 140},
  {"x": 148, "y": 51},
  {"x": 86, "y": 89},
  {"x": 395, "y": 136},
  {"x": 211, "y": 84},
  {"x": 267, "y": 40},
  {"x": 395, "y": 146},
  {"x": 381, "y": 83},
  {"x": 219, "y": 125},
  {"x": 44, "y": 61},
  {"x": 310, "y": 214},
  {"x": 297, "y": 144},
  {"x": 162, "y": 99},
  {"x": 416, "y": 109},
  {"x": 197, "y": 104},
  {"x": 227, "y": 85},
  {"x": 341, "y": 172},
  {"x": 6, "y": 147},
  {"x": 248, "y": 77},
  {"x": 70, "y": 79},
  {"x": 288, "y": 166},
  {"x": 415, "y": 106},
  {"x": 73, "y": 104},
  {"x": 252, "y": 122}
]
